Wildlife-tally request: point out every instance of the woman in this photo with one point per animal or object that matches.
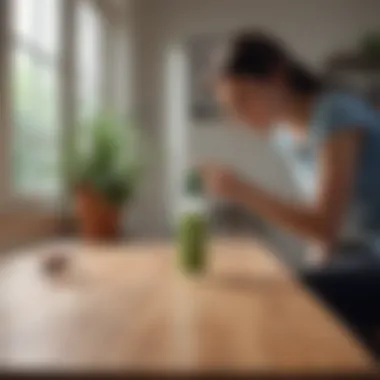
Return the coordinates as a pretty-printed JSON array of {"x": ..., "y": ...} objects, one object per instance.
[{"x": 263, "y": 86}]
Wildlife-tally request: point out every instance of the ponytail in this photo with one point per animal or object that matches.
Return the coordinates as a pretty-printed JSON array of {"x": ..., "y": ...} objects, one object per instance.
[{"x": 302, "y": 81}]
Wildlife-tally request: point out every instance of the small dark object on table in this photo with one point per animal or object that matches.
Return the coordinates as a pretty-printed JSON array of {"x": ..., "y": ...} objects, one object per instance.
[{"x": 56, "y": 263}]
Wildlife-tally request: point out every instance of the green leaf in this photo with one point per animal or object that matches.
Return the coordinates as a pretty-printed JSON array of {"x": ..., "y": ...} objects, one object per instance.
[{"x": 109, "y": 161}]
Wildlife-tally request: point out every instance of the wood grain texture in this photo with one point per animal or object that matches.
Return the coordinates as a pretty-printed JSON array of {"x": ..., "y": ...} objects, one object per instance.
[{"x": 131, "y": 308}]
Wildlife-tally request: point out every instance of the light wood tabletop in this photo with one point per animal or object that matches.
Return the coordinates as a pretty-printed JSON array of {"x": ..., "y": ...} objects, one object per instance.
[{"x": 129, "y": 307}]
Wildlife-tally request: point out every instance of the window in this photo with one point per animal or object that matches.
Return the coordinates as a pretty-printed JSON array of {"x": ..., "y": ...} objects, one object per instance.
[
  {"x": 88, "y": 55},
  {"x": 35, "y": 81}
]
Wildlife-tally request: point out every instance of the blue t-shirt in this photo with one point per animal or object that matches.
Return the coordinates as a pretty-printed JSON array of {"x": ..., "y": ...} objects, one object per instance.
[{"x": 336, "y": 112}]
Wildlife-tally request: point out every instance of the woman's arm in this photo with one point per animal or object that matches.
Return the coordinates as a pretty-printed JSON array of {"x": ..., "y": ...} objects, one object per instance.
[{"x": 337, "y": 166}]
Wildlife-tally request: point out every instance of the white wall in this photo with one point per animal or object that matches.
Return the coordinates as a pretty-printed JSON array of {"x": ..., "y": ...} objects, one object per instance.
[{"x": 314, "y": 28}]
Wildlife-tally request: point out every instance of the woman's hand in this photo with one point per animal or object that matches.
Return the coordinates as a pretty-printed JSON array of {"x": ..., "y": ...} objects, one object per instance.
[{"x": 221, "y": 181}]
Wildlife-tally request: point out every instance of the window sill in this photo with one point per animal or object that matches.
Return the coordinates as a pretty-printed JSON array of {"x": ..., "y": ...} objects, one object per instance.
[{"x": 22, "y": 221}]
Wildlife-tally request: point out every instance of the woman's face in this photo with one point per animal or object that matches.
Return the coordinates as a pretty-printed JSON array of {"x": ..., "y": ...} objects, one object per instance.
[{"x": 257, "y": 103}]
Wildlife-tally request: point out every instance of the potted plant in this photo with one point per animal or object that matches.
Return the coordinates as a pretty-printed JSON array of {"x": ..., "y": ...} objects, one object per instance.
[{"x": 103, "y": 174}]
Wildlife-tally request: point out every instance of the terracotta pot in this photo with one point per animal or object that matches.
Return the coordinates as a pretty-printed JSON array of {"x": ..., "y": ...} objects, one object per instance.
[{"x": 98, "y": 219}]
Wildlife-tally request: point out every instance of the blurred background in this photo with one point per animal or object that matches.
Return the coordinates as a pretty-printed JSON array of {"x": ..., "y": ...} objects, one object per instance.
[
  {"x": 104, "y": 106},
  {"x": 63, "y": 62}
]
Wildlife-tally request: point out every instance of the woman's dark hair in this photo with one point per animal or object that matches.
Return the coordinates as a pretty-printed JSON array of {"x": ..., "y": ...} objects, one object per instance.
[{"x": 256, "y": 55}]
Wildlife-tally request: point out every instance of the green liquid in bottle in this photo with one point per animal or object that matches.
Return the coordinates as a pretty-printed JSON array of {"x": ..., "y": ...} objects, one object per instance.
[
  {"x": 192, "y": 240},
  {"x": 192, "y": 228}
]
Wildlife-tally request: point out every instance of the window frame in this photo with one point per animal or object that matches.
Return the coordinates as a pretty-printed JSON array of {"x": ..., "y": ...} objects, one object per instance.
[
  {"x": 99, "y": 52},
  {"x": 68, "y": 91}
]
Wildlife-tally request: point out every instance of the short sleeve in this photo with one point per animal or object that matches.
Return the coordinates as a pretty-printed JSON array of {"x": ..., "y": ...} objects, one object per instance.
[{"x": 339, "y": 112}]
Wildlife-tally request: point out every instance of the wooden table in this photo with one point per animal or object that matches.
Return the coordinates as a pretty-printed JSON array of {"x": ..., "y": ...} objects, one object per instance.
[{"x": 130, "y": 308}]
